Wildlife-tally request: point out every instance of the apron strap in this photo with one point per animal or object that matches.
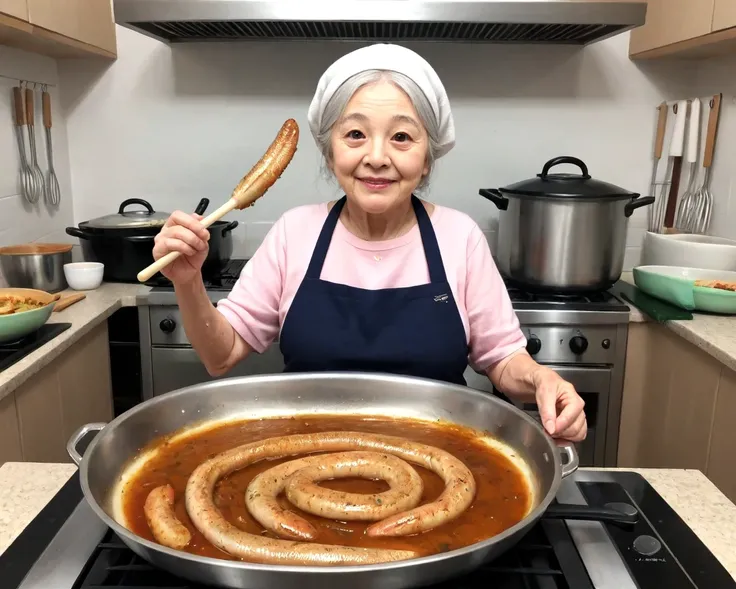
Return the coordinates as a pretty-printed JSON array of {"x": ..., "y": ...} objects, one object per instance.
[
  {"x": 314, "y": 270},
  {"x": 429, "y": 242}
]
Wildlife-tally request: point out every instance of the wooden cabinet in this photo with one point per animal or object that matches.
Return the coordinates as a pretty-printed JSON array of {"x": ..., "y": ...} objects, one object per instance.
[
  {"x": 37, "y": 419},
  {"x": 88, "y": 21},
  {"x": 678, "y": 407},
  {"x": 685, "y": 28},
  {"x": 68, "y": 28},
  {"x": 672, "y": 21},
  {"x": 14, "y": 8},
  {"x": 724, "y": 16}
]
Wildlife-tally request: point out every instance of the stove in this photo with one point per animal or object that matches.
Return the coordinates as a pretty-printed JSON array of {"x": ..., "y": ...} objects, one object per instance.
[
  {"x": 217, "y": 283},
  {"x": 67, "y": 547},
  {"x": 12, "y": 352}
]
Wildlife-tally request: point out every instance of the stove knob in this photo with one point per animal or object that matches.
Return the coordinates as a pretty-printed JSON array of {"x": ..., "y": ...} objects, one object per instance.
[
  {"x": 533, "y": 345},
  {"x": 578, "y": 345},
  {"x": 647, "y": 545},
  {"x": 167, "y": 325}
]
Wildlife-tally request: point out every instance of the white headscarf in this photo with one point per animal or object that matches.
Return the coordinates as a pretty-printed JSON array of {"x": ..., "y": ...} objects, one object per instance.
[{"x": 383, "y": 56}]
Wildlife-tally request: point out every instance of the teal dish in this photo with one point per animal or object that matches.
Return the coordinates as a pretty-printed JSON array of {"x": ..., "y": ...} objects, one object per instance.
[{"x": 676, "y": 285}]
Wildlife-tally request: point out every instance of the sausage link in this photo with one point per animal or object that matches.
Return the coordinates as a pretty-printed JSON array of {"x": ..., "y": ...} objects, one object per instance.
[
  {"x": 260, "y": 499},
  {"x": 270, "y": 167},
  {"x": 165, "y": 526},
  {"x": 297, "y": 477},
  {"x": 457, "y": 496},
  {"x": 405, "y": 493}
]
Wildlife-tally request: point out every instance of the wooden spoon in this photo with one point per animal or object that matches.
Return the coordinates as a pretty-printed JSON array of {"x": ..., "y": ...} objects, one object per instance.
[
  {"x": 67, "y": 300},
  {"x": 253, "y": 185}
]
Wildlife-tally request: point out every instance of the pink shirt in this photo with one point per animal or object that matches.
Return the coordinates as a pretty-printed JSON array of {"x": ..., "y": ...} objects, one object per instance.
[{"x": 258, "y": 303}]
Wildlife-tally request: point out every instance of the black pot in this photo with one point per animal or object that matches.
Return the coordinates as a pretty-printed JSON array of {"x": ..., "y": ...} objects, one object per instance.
[{"x": 126, "y": 247}]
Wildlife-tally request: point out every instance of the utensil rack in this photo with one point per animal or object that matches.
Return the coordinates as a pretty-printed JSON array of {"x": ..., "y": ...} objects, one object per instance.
[
  {"x": 36, "y": 182},
  {"x": 660, "y": 182}
]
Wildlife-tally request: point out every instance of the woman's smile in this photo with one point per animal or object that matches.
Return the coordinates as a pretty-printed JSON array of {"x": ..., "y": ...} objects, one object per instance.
[{"x": 376, "y": 183}]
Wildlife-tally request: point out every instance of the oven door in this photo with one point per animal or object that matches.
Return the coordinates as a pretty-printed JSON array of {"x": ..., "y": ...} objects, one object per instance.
[
  {"x": 593, "y": 385},
  {"x": 178, "y": 367}
]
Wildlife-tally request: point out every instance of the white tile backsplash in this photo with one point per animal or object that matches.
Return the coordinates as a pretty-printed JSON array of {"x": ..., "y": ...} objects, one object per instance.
[{"x": 21, "y": 221}]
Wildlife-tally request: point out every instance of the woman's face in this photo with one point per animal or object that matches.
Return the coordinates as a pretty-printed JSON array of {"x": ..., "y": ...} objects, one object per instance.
[{"x": 379, "y": 148}]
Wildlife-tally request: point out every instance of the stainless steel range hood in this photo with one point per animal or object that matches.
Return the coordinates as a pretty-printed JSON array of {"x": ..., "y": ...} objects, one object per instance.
[{"x": 576, "y": 22}]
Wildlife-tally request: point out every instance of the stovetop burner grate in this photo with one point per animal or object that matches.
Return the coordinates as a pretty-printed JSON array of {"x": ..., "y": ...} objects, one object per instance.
[
  {"x": 223, "y": 279},
  {"x": 532, "y": 564}
]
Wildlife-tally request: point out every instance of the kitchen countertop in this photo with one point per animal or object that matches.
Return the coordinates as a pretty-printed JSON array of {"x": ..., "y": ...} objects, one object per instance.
[
  {"x": 716, "y": 335},
  {"x": 84, "y": 316},
  {"x": 26, "y": 487}
]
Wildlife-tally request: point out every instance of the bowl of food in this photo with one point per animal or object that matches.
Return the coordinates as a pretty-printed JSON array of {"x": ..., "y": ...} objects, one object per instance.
[
  {"x": 716, "y": 296},
  {"x": 693, "y": 289},
  {"x": 84, "y": 275},
  {"x": 23, "y": 311}
]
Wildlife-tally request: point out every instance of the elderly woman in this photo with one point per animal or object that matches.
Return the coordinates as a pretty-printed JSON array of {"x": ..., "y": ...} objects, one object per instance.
[{"x": 379, "y": 280}]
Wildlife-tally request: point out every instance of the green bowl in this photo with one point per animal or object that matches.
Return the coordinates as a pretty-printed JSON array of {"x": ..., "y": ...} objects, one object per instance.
[
  {"x": 18, "y": 325},
  {"x": 676, "y": 285}
]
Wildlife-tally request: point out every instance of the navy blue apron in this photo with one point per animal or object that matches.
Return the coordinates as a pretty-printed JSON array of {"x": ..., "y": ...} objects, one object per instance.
[{"x": 414, "y": 331}]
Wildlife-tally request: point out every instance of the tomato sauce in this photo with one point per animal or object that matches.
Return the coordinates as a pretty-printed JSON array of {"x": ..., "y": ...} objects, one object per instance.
[{"x": 502, "y": 494}]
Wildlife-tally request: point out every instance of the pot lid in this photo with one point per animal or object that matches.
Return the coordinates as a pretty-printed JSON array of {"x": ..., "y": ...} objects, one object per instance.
[
  {"x": 565, "y": 185},
  {"x": 133, "y": 219}
]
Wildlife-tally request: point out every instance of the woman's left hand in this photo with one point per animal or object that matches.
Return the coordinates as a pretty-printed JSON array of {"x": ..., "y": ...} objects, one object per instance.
[{"x": 560, "y": 406}]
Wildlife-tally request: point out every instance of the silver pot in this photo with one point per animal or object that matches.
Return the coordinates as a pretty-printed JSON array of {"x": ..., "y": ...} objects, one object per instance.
[
  {"x": 292, "y": 394},
  {"x": 36, "y": 265},
  {"x": 563, "y": 232}
]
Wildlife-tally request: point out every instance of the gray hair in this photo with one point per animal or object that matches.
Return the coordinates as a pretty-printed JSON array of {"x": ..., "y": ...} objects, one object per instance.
[{"x": 339, "y": 101}]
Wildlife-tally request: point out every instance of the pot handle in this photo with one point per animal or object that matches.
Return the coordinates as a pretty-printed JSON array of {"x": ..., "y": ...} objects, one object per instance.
[
  {"x": 588, "y": 513},
  {"x": 565, "y": 159},
  {"x": 76, "y": 232},
  {"x": 495, "y": 196},
  {"x": 229, "y": 227},
  {"x": 573, "y": 462},
  {"x": 135, "y": 201},
  {"x": 71, "y": 445},
  {"x": 636, "y": 203},
  {"x": 202, "y": 206}
]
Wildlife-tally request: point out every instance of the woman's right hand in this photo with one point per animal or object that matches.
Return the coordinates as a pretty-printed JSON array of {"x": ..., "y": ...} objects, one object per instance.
[{"x": 182, "y": 233}]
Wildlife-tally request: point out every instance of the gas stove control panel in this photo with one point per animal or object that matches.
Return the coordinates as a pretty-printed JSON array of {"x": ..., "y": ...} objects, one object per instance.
[{"x": 593, "y": 344}]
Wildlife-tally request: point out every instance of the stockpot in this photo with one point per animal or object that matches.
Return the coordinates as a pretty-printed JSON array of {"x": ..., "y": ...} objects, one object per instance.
[
  {"x": 120, "y": 441},
  {"x": 563, "y": 232},
  {"x": 124, "y": 241}
]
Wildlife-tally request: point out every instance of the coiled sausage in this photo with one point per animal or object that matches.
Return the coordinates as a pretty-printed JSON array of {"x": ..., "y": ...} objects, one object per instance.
[
  {"x": 456, "y": 497},
  {"x": 297, "y": 478}
]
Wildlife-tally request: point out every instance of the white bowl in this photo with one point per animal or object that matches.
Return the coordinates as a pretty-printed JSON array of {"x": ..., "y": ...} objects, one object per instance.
[
  {"x": 84, "y": 275},
  {"x": 689, "y": 251}
]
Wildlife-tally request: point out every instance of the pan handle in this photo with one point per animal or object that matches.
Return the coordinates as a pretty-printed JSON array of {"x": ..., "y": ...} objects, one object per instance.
[
  {"x": 495, "y": 196},
  {"x": 71, "y": 445},
  {"x": 636, "y": 203},
  {"x": 76, "y": 232},
  {"x": 229, "y": 227},
  {"x": 588, "y": 513},
  {"x": 573, "y": 462}
]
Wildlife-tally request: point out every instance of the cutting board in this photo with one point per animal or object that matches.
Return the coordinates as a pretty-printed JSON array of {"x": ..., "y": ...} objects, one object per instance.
[{"x": 654, "y": 308}]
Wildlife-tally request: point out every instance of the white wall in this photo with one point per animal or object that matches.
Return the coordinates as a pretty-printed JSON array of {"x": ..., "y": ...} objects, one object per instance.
[
  {"x": 21, "y": 221},
  {"x": 174, "y": 124}
]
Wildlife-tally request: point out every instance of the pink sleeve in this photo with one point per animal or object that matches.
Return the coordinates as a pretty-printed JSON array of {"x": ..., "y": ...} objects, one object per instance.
[
  {"x": 494, "y": 328},
  {"x": 252, "y": 307}
]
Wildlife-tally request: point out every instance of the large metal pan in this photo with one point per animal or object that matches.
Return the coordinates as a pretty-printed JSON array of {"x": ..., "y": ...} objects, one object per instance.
[{"x": 118, "y": 442}]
